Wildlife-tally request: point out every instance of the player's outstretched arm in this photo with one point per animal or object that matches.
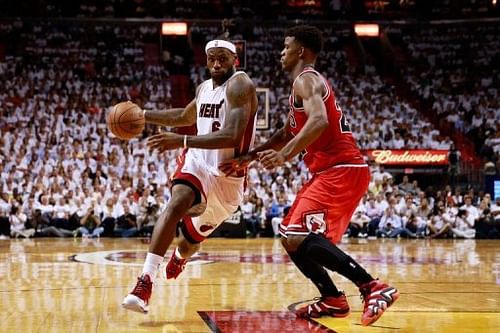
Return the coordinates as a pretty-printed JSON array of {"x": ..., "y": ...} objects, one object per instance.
[
  {"x": 240, "y": 96},
  {"x": 277, "y": 141},
  {"x": 175, "y": 117},
  {"x": 310, "y": 88}
]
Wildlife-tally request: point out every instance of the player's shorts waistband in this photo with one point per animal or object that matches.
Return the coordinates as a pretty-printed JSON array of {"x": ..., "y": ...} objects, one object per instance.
[
  {"x": 230, "y": 179},
  {"x": 364, "y": 165}
]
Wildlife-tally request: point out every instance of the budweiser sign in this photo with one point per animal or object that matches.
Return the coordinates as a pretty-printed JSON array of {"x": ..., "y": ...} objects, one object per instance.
[{"x": 409, "y": 157}]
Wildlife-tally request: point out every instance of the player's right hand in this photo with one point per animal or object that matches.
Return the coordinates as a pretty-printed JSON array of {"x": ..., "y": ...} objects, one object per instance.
[{"x": 236, "y": 164}]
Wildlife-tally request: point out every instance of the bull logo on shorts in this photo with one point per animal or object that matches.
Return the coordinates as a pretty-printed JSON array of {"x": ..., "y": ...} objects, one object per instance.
[
  {"x": 316, "y": 223},
  {"x": 206, "y": 227}
]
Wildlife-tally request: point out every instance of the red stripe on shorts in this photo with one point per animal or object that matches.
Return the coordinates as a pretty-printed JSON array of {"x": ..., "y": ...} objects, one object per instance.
[{"x": 193, "y": 233}]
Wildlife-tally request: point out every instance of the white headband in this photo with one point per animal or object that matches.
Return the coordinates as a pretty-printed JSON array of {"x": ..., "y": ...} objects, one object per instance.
[{"x": 220, "y": 43}]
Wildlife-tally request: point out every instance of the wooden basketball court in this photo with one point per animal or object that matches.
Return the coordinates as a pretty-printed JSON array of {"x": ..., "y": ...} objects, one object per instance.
[{"x": 242, "y": 285}]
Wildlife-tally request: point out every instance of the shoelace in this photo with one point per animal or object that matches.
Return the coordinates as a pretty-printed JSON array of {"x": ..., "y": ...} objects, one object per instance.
[
  {"x": 316, "y": 300},
  {"x": 365, "y": 292},
  {"x": 321, "y": 298},
  {"x": 141, "y": 287}
]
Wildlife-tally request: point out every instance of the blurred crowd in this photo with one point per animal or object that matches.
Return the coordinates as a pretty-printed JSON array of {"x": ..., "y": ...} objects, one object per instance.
[
  {"x": 63, "y": 174},
  {"x": 257, "y": 9},
  {"x": 453, "y": 75},
  {"x": 388, "y": 209},
  {"x": 379, "y": 118}
]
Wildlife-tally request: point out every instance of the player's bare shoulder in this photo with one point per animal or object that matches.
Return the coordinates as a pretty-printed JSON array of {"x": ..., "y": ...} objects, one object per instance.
[
  {"x": 240, "y": 89},
  {"x": 308, "y": 84}
]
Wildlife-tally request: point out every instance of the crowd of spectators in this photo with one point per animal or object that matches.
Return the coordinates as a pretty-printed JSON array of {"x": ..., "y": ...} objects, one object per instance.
[
  {"x": 259, "y": 9},
  {"x": 62, "y": 173},
  {"x": 388, "y": 209},
  {"x": 379, "y": 118},
  {"x": 451, "y": 71}
]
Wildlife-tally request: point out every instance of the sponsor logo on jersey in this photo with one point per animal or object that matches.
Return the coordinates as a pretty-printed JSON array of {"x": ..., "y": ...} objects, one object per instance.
[{"x": 208, "y": 110}]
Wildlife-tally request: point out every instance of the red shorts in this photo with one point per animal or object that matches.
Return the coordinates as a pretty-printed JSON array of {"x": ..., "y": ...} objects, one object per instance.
[{"x": 326, "y": 203}]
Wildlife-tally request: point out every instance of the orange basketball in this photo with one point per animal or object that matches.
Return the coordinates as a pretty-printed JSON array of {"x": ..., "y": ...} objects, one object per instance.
[{"x": 126, "y": 120}]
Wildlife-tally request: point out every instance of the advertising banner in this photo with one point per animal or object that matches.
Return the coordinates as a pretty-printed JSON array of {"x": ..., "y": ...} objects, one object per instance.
[{"x": 423, "y": 157}]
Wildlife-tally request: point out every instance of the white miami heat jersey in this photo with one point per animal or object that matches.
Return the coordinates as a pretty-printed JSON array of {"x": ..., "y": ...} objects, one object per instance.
[{"x": 211, "y": 108}]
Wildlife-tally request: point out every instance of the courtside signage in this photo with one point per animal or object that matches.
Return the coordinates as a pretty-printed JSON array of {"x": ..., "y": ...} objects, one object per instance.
[{"x": 408, "y": 157}]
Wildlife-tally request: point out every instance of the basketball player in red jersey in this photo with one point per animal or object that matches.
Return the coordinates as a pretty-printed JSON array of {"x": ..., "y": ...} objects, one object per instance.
[
  {"x": 323, "y": 208},
  {"x": 202, "y": 196}
]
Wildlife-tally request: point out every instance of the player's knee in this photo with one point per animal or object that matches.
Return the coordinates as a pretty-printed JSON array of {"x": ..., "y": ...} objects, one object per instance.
[
  {"x": 180, "y": 202},
  {"x": 183, "y": 192},
  {"x": 292, "y": 243}
]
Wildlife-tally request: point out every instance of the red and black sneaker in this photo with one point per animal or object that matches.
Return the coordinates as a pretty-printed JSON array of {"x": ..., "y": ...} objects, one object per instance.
[
  {"x": 175, "y": 266},
  {"x": 325, "y": 306},
  {"x": 377, "y": 296},
  {"x": 138, "y": 299}
]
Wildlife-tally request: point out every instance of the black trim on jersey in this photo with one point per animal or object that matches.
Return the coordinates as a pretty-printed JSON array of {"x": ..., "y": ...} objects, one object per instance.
[{"x": 197, "y": 194}]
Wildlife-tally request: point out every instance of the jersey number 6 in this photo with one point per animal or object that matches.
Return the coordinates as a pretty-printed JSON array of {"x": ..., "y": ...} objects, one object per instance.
[{"x": 215, "y": 126}]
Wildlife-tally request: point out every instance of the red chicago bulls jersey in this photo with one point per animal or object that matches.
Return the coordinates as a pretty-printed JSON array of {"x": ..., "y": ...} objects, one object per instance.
[{"x": 336, "y": 146}]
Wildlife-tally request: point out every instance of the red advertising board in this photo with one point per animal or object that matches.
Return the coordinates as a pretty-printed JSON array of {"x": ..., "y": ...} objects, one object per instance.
[{"x": 422, "y": 157}]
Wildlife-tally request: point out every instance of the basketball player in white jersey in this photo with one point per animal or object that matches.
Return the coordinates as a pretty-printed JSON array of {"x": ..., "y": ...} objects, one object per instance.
[{"x": 203, "y": 197}]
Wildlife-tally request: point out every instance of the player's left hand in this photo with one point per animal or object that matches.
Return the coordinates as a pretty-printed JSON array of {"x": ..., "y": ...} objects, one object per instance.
[
  {"x": 165, "y": 141},
  {"x": 237, "y": 164},
  {"x": 271, "y": 158}
]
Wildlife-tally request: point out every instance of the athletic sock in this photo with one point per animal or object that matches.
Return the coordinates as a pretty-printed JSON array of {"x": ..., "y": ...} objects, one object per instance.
[
  {"x": 151, "y": 265},
  {"x": 327, "y": 254},
  {"x": 316, "y": 273}
]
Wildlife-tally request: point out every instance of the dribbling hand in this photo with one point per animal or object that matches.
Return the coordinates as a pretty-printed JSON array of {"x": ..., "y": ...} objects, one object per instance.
[{"x": 165, "y": 141}]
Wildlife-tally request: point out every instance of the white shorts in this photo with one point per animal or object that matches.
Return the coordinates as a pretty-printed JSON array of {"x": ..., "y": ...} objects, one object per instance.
[{"x": 222, "y": 195}]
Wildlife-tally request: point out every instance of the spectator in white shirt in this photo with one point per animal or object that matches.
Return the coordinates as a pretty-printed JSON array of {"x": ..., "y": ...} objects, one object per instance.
[
  {"x": 462, "y": 227},
  {"x": 390, "y": 224},
  {"x": 495, "y": 208},
  {"x": 473, "y": 212}
]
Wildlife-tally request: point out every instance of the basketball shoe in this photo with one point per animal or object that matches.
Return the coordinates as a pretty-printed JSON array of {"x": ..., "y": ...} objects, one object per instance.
[
  {"x": 325, "y": 306},
  {"x": 138, "y": 299},
  {"x": 377, "y": 296},
  {"x": 175, "y": 266}
]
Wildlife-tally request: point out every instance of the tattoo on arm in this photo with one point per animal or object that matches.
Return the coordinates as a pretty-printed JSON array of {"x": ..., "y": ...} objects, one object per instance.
[{"x": 239, "y": 96}]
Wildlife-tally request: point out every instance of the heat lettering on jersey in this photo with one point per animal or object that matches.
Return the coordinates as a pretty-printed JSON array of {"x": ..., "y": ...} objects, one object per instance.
[{"x": 210, "y": 110}]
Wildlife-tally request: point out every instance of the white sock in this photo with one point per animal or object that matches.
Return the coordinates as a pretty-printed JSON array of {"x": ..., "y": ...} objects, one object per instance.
[
  {"x": 178, "y": 253},
  {"x": 151, "y": 265}
]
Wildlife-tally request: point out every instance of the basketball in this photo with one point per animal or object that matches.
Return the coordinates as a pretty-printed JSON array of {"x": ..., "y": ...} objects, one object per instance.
[{"x": 126, "y": 120}]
